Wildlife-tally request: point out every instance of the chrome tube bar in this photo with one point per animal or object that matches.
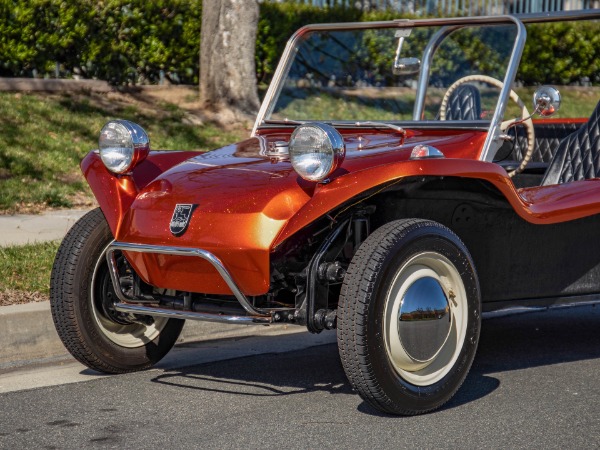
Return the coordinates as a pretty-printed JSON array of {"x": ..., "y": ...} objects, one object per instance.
[
  {"x": 176, "y": 251},
  {"x": 492, "y": 141},
  {"x": 280, "y": 73},
  {"x": 432, "y": 45},
  {"x": 179, "y": 314}
]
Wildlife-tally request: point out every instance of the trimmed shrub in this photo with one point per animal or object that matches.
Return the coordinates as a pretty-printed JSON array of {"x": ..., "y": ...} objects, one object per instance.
[
  {"x": 120, "y": 41},
  {"x": 278, "y": 21},
  {"x": 561, "y": 53},
  {"x": 140, "y": 41}
]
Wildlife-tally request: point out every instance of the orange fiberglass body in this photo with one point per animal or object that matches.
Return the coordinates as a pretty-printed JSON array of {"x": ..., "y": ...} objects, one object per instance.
[{"x": 249, "y": 203}]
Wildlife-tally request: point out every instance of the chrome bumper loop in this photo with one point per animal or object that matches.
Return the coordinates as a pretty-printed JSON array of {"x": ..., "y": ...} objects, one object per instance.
[{"x": 255, "y": 314}]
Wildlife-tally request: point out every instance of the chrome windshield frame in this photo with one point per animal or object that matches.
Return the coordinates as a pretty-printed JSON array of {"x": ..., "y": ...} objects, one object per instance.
[
  {"x": 492, "y": 141},
  {"x": 448, "y": 25},
  {"x": 283, "y": 68}
]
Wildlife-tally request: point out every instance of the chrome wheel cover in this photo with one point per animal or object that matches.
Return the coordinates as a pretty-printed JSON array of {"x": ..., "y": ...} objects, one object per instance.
[
  {"x": 425, "y": 319},
  {"x": 125, "y": 335}
]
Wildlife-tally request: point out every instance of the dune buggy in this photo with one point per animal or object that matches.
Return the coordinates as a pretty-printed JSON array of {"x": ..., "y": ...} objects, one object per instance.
[{"x": 402, "y": 178}]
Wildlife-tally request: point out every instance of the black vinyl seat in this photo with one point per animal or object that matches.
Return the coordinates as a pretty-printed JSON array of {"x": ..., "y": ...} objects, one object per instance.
[
  {"x": 464, "y": 103},
  {"x": 578, "y": 155},
  {"x": 548, "y": 136}
]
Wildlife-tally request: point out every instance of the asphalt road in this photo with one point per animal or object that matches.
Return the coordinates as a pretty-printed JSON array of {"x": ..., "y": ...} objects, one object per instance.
[{"x": 534, "y": 384}]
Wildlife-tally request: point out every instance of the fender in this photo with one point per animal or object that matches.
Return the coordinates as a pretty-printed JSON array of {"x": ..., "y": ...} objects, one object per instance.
[
  {"x": 537, "y": 205},
  {"x": 116, "y": 193}
]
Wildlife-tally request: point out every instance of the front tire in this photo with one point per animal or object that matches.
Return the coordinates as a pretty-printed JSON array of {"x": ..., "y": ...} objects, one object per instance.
[
  {"x": 409, "y": 317},
  {"x": 81, "y": 295}
]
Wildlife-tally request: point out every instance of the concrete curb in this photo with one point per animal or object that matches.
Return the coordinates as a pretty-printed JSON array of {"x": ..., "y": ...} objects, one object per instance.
[{"x": 28, "y": 336}]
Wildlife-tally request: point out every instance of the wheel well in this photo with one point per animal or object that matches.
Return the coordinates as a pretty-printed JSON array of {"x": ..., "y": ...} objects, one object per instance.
[
  {"x": 505, "y": 248},
  {"x": 457, "y": 203},
  {"x": 475, "y": 210},
  {"x": 471, "y": 208}
]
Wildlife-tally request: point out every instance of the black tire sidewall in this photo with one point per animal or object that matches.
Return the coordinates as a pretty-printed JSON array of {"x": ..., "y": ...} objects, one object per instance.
[
  {"x": 93, "y": 347},
  {"x": 419, "y": 240}
]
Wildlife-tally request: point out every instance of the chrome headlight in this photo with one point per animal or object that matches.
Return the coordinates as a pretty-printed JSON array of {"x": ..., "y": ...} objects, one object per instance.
[
  {"x": 122, "y": 145},
  {"x": 316, "y": 150}
]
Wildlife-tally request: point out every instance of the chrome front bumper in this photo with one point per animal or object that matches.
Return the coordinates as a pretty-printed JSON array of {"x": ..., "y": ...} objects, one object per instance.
[{"x": 134, "y": 306}]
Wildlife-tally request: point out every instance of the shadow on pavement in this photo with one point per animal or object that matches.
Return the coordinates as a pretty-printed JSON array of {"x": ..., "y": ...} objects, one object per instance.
[
  {"x": 507, "y": 343},
  {"x": 271, "y": 374}
]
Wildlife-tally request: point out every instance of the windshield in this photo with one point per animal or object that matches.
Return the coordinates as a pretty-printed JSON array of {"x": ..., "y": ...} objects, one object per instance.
[{"x": 393, "y": 73}]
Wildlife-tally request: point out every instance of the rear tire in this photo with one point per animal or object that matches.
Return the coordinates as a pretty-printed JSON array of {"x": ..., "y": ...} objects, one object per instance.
[
  {"x": 409, "y": 317},
  {"x": 81, "y": 295}
]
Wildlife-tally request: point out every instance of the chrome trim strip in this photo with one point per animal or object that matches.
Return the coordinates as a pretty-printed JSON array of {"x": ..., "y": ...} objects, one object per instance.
[
  {"x": 177, "y": 251},
  {"x": 479, "y": 125},
  {"x": 179, "y": 314}
]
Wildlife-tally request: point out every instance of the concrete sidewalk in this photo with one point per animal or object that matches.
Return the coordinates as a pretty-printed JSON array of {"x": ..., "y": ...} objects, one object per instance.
[
  {"x": 20, "y": 229},
  {"x": 27, "y": 334}
]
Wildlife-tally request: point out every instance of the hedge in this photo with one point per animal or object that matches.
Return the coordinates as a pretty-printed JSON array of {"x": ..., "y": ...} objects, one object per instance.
[
  {"x": 140, "y": 41},
  {"x": 120, "y": 41},
  {"x": 278, "y": 21},
  {"x": 561, "y": 53},
  {"x": 556, "y": 53}
]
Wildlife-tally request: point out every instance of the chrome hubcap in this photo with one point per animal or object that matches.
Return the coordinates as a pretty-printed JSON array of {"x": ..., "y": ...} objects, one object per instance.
[{"x": 424, "y": 320}]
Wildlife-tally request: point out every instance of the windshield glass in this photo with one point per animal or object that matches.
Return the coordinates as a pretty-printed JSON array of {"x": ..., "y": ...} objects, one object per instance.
[{"x": 375, "y": 74}]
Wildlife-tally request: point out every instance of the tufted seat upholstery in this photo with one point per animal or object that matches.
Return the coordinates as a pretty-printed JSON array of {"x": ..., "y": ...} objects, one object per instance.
[
  {"x": 464, "y": 103},
  {"x": 547, "y": 139},
  {"x": 578, "y": 155}
]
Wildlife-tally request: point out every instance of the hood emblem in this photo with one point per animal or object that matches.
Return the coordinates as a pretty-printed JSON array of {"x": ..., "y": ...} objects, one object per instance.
[{"x": 181, "y": 218}]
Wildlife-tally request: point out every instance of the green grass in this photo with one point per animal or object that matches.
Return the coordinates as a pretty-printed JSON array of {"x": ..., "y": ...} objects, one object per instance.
[
  {"x": 44, "y": 137},
  {"x": 25, "y": 268},
  {"x": 315, "y": 104},
  {"x": 397, "y": 103},
  {"x": 576, "y": 101}
]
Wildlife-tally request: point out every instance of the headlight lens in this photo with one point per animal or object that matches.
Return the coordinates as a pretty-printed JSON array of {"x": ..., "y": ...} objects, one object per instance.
[
  {"x": 122, "y": 145},
  {"x": 316, "y": 150}
]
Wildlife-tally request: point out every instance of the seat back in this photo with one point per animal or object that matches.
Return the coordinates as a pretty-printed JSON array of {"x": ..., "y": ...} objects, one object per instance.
[
  {"x": 464, "y": 103},
  {"x": 578, "y": 155},
  {"x": 548, "y": 136}
]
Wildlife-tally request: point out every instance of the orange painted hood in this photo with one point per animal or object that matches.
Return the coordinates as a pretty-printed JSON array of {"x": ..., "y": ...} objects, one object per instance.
[{"x": 244, "y": 202}]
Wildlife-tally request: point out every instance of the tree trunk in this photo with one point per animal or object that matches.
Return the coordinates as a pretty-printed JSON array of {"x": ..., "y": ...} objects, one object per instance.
[{"x": 227, "y": 52}]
